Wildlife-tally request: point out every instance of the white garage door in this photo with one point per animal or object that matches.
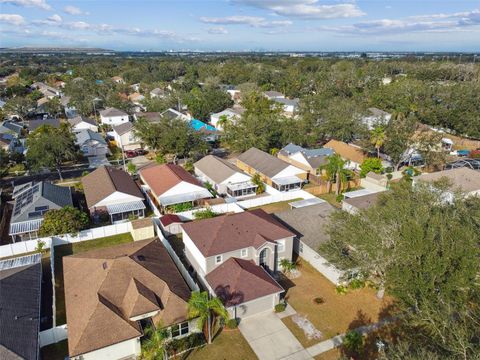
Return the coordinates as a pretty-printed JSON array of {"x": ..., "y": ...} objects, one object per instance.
[{"x": 254, "y": 307}]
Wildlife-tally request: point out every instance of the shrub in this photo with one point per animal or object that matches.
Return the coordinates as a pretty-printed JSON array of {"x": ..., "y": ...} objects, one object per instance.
[
  {"x": 339, "y": 198},
  {"x": 353, "y": 341},
  {"x": 232, "y": 324},
  {"x": 188, "y": 342},
  {"x": 341, "y": 289},
  {"x": 371, "y": 164},
  {"x": 356, "y": 284},
  {"x": 280, "y": 307},
  {"x": 180, "y": 207},
  {"x": 318, "y": 300},
  {"x": 204, "y": 214}
]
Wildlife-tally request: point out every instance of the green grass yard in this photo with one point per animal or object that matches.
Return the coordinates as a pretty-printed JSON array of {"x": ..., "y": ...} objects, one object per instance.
[{"x": 77, "y": 248}]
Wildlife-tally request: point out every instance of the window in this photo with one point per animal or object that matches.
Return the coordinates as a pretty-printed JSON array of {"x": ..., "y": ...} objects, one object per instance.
[
  {"x": 300, "y": 248},
  {"x": 179, "y": 329},
  {"x": 218, "y": 259},
  {"x": 244, "y": 252},
  {"x": 281, "y": 246}
]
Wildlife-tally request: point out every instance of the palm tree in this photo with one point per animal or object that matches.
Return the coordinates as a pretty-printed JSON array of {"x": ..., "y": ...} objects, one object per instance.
[
  {"x": 203, "y": 307},
  {"x": 377, "y": 138},
  {"x": 153, "y": 347},
  {"x": 223, "y": 122},
  {"x": 335, "y": 170}
]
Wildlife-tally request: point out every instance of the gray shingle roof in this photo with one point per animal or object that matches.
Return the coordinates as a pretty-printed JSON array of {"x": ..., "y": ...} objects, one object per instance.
[
  {"x": 108, "y": 112},
  {"x": 362, "y": 202},
  {"x": 20, "y": 297},
  {"x": 78, "y": 119},
  {"x": 308, "y": 223},
  {"x": 263, "y": 162},
  {"x": 123, "y": 128},
  {"x": 87, "y": 134},
  {"x": 216, "y": 168}
]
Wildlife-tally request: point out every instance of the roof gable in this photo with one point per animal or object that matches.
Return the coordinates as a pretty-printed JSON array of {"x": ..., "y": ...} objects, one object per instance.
[{"x": 263, "y": 162}]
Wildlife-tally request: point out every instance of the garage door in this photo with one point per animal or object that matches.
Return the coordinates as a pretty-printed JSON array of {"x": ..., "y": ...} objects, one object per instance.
[{"x": 255, "y": 307}]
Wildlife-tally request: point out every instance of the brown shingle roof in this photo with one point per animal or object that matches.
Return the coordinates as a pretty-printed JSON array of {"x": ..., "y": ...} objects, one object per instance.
[
  {"x": 362, "y": 202},
  {"x": 237, "y": 281},
  {"x": 231, "y": 232},
  {"x": 104, "y": 181},
  {"x": 346, "y": 151},
  {"x": 106, "y": 287},
  {"x": 262, "y": 162},
  {"x": 161, "y": 178}
]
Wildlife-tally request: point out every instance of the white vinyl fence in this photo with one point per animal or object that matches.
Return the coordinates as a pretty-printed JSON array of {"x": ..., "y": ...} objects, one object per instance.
[
  {"x": 277, "y": 197},
  {"x": 219, "y": 209},
  {"x": 191, "y": 283},
  {"x": 23, "y": 247},
  {"x": 53, "y": 335}
]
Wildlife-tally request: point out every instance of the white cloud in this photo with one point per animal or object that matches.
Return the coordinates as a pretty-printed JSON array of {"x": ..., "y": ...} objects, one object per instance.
[
  {"x": 73, "y": 10},
  {"x": 430, "y": 23},
  {"x": 28, "y": 3},
  {"x": 217, "y": 30},
  {"x": 254, "y": 21},
  {"x": 307, "y": 9},
  {"x": 12, "y": 19}
]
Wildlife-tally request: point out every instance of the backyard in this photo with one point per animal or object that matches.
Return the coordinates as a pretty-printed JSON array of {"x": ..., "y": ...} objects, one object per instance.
[
  {"x": 276, "y": 207},
  {"x": 337, "y": 313},
  {"x": 77, "y": 248}
]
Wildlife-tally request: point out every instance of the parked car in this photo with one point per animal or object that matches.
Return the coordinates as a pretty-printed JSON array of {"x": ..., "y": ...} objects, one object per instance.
[
  {"x": 130, "y": 153},
  {"x": 463, "y": 152},
  {"x": 140, "y": 152}
]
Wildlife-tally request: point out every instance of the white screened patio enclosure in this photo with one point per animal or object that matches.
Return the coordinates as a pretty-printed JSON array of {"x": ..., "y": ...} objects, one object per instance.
[
  {"x": 287, "y": 183},
  {"x": 122, "y": 212}
]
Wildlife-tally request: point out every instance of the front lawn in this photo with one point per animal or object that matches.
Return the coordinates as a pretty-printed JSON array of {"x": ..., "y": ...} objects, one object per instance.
[
  {"x": 229, "y": 344},
  {"x": 338, "y": 313},
  {"x": 77, "y": 248},
  {"x": 276, "y": 206}
]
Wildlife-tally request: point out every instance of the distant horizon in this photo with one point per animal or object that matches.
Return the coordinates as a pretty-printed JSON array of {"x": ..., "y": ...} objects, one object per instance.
[{"x": 244, "y": 25}]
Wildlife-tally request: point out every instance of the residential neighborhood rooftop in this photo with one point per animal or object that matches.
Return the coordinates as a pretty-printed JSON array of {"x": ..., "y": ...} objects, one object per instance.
[
  {"x": 263, "y": 162},
  {"x": 108, "y": 112},
  {"x": 105, "y": 289},
  {"x": 216, "y": 168},
  {"x": 346, "y": 151},
  {"x": 229, "y": 232},
  {"x": 465, "y": 178}
]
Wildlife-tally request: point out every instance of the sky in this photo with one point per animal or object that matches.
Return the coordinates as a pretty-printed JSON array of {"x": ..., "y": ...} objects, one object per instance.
[{"x": 244, "y": 25}]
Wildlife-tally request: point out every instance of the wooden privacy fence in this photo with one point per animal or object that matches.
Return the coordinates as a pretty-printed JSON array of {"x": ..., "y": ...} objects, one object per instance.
[{"x": 323, "y": 188}]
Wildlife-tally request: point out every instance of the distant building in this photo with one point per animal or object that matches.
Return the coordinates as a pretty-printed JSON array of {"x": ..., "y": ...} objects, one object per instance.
[
  {"x": 376, "y": 117},
  {"x": 272, "y": 95},
  {"x": 112, "y": 116},
  {"x": 231, "y": 114},
  {"x": 157, "y": 93},
  {"x": 91, "y": 143}
]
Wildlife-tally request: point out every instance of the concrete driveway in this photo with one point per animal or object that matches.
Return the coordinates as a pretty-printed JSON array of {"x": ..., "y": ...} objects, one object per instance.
[{"x": 270, "y": 339}]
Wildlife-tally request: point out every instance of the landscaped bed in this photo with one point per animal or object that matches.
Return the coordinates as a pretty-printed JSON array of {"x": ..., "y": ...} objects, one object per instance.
[
  {"x": 229, "y": 344},
  {"x": 337, "y": 313},
  {"x": 77, "y": 248},
  {"x": 276, "y": 206}
]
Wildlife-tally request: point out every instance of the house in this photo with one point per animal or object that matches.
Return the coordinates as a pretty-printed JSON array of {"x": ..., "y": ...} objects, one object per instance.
[
  {"x": 151, "y": 117},
  {"x": 112, "y": 191},
  {"x": 309, "y": 223},
  {"x": 118, "y": 80},
  {"x": 124, "y": 136},
  {"x": 79, "y": 123},
  {"x": 290, "y": 106},
  {"x": 277, "y": 173},
  {"x": 31, "y": 201},
  {"x": 170, "y": 184},
  {"x": 113, "y": 294},
  {"x": 20, "y": 301},
  {"x": 6, "y": 141},
  {"x": 309, "y": 160},
  {"x": 247, "y": 243},
  {"x": 171, "y": 224},
  {"x": 68, "y": 108},
  {"x": 135, "y": 87},
  {"x": 32, "y": 125},
  {"x": 352, "y": 154},
  {"x": 354, "y": 204},
  {"x": 376, "y": 117},
  {"x": 137, "y": 98},
  {"x": 207, "y": 131},
  {"x": 47, "y": 91},
  {"x": 157, "y": 93},
  {"x": 231, "y": 114},
  {"x": 272, "y": 95},
  {"x": 226, "y": 178},
  {"x": 91, "y": 143},
  {"x": 112, "y": 116},
  {"x": 171, "y": 114},
  {"x": 463, "y": 178},
  {"x": 245, "y": 288}
]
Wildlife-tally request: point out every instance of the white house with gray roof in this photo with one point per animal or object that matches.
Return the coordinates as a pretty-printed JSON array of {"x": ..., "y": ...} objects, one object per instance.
[
  {"x": 225, "y": 177},
  {"x": 31, "y": 202},
  {"x": 125, "y": 137},
  {"x": 79, "y": 123},
  {"x": 91, "y": 143},
  {"x": 112, "y": 116}
]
